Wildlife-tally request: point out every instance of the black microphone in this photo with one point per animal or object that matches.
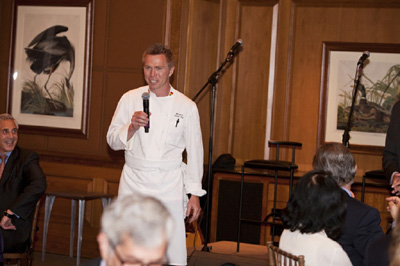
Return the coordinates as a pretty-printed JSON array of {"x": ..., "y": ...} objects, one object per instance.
[
  {"x": 231, "y": 52},
  {"x": 236, "y": 45},
  {"x": 364, "y": 57},
  {"x": 146, "y": 97}
]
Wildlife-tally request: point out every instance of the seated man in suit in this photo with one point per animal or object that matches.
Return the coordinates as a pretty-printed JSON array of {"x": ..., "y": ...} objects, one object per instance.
[
  {"x": 22, "y": 183},
  {"x": 135, "y": 230},
  {"x": 362, "y": 224}
]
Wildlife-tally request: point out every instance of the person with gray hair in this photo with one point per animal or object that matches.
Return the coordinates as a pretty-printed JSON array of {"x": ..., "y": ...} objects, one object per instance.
[
  {"x": 362, "y": 223},
  {"x": 135, "y": 230},
  {"x": 22, "y": 183}
]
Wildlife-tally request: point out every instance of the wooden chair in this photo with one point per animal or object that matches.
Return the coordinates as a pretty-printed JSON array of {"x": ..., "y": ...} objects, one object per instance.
[
  {"x": 279, "y": 257},
  {"x": 16, "y": 258}
]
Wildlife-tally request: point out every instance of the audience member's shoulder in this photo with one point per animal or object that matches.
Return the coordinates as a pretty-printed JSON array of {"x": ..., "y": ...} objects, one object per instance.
[
  {"x": 24, "y": 155},
  {"x": 358, "y": 208},
  {"x": 357, "y": 203}
]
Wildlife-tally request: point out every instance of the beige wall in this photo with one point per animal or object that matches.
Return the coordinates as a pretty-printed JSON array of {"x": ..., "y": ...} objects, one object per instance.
[{"x": 262, "y": 95}]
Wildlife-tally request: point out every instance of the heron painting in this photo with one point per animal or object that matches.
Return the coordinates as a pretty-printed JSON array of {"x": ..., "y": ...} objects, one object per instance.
[{"x": 53, "y": 94}]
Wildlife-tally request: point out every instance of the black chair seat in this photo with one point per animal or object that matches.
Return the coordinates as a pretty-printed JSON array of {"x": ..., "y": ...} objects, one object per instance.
[
  {"x": 271, "y": 165},
  {"x": 377, "y": 174}
]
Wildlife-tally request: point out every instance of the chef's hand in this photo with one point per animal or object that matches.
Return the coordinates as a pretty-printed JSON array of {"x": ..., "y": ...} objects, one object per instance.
[{"x": 193, "y": 208}]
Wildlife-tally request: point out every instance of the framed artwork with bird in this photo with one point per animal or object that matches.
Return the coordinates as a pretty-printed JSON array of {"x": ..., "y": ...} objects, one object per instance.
[
  {"x": 50, "y": 65},
  {"x": 378, "y": 88}
]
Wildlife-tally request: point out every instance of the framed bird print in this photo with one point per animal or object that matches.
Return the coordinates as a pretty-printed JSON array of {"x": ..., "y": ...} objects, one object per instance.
[
  {"x": 370, "y": 109},
  {"x": 50, "y": 66}
]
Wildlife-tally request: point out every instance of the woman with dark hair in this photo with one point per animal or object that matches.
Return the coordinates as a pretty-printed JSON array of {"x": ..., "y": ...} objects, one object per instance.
[{"x": 314, "y": 217}]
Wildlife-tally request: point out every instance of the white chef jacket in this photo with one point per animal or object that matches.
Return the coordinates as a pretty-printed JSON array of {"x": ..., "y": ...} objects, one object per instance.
[{"x": 153, "y": 161}]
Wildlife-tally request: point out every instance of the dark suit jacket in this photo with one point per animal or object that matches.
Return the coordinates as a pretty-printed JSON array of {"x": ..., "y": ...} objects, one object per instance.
[
  {"x": 362, "y": 226},
  {"x": 391, "y": 153},
  {"x": 378, "y": 252},
  {"x": 21, "y": 186}
]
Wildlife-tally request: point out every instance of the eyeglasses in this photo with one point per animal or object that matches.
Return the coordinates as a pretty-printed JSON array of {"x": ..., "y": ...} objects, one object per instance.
[{"x": 137, "y": 262}]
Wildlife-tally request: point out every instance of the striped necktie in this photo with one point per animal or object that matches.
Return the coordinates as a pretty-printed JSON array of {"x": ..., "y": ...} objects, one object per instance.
[{"x": 2, "y": 164}]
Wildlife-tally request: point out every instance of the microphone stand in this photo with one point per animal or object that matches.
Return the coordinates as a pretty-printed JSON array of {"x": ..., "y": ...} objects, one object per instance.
[
  {"x": 346, "y": 134},
  {"x": 213, "y": 80}
]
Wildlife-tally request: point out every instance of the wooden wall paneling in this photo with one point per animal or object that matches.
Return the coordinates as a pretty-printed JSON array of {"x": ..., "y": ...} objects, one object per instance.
[
  {"x": 309, "y": 30},
  {"x": 133, "y": 26},
  {"x": 249, "y": 128},
  {"x": 80, "y": 171},
  {"x": 180, "y": 74},
  {"x": 227, "y": 81},
  {"x": 111, "y": 186},
  {"x": 100, "y": 35},
  {"x": 200, "y": 46},
  {"x": 284, "y": 43},
  {"x": 367, "y": 162},
  {"x": 372, "y": 25},
  {"x": 32, "y": 142},
  {"x": 98, "y": 112},
  {"x": 172, "y": 35}
]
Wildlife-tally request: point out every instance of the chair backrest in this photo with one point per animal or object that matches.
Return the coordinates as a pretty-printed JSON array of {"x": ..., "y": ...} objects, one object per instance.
[
  {"x": 279, "y": 257},
  {"x": 279, "y": 143},
  {"x": 28, "y": 254}
]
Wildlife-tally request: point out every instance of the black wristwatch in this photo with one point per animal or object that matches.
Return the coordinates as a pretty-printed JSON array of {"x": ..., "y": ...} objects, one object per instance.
[{"x": 8, "y": 215}]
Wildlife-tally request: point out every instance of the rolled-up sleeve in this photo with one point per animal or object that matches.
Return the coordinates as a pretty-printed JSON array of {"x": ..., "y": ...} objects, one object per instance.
[{"x": 195, "y": 154}]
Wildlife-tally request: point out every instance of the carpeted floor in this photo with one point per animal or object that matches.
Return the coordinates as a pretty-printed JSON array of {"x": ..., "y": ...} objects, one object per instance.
[
  {"x": 54, "y": 260},
  {"x": 221, "y": 252}
]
